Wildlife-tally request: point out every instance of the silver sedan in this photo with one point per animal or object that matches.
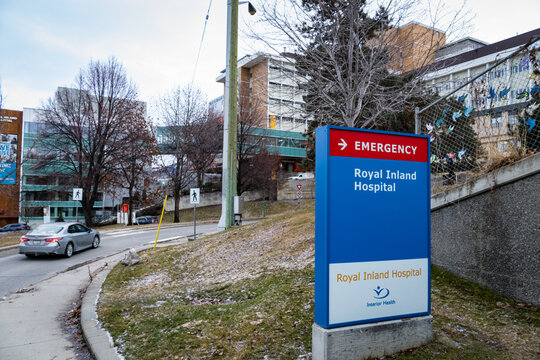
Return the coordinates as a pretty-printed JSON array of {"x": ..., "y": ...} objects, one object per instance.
[{"x": 61, "y": 238}]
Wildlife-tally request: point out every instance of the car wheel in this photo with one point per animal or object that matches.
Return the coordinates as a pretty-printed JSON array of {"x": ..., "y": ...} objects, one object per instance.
[
  {"x": 69, "y": 250},
  {"x": 95, "y": 242}
]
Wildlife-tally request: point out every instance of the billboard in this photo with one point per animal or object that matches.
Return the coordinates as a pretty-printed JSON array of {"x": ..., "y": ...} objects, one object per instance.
[
  {"x": 372, "y": 232},
  {"x": 8, "y": 159}
]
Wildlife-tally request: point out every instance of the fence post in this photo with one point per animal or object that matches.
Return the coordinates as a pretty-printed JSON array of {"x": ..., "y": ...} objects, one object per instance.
[{"x": 416, "y": 120}]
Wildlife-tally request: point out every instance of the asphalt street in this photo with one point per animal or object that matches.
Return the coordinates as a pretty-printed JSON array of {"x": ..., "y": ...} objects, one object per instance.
[{"x": 17, "y": 272}]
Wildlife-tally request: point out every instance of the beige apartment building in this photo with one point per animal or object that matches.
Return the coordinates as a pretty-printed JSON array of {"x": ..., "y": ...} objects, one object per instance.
[
  {"x": 414, "y": 46},
  {"x": 269, "y": 83}
]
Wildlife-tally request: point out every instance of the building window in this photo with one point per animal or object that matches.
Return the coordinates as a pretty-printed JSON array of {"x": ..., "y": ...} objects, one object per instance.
[
  {"x": 40, "y": 180},
  {"x": 496, "y": 121},
  {"x": 32, "y": 212},
  {"x": 512, "y": 119}
]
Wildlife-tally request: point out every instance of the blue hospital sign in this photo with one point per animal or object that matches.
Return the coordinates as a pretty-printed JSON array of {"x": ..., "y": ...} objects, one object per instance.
[{"x": 372, "y": 229}]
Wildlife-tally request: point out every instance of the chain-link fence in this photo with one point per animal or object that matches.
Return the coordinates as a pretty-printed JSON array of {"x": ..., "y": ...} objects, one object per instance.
[{"x": 487, "y": 116}]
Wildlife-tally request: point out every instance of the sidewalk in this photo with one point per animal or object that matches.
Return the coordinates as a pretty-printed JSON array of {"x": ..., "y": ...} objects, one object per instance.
[
  {"x": 31, "y": 322},
  {"x": 31, "y": 325}
]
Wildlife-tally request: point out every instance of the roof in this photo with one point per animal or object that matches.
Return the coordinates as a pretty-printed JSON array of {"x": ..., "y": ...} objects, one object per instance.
[
  {"x": 468, "y": 38},
  {"x": 423, "y": 25},
  {"x": 248, "y": 61}
]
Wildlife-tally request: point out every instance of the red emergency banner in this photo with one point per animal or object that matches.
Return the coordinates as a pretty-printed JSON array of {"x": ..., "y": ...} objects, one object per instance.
[{"x": 350, "y": 143}]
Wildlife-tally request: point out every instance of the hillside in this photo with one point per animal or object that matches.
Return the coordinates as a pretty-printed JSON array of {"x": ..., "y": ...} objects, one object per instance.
[{"x": 247, "y": 293}]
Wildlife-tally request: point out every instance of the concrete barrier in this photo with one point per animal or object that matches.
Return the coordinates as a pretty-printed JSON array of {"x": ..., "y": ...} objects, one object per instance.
[
  {"x": 487, "y": 231},
  {"x": 208, "y": 199}
]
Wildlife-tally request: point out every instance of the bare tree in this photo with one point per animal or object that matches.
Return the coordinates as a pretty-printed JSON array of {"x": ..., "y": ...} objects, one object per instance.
[
  {"x": 203, "y": 140},
  {"x": 350, "y": 54},
  {"x": 133, "y": 163},
  {"x": 258, "y": 170},
  {"x": 252, "y": 154},
  {"x": 85, "y": 127},
  {"x": 179, "y": 109}
]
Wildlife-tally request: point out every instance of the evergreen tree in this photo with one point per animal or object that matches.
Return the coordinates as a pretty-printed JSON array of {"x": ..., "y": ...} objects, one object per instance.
[{"x": 454, "y": 142}]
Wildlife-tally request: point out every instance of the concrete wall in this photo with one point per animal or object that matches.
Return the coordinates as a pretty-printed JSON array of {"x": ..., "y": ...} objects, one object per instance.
[
  {"x": 487, "y": 231},
  {"x": 208, "y": 199}
]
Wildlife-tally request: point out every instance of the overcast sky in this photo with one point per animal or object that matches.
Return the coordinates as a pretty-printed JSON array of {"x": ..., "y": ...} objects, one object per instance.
[{"x": 45, "y": 43}]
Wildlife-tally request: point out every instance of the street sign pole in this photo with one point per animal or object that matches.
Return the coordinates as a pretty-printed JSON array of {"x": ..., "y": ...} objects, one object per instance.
[
  {"x": 77, "y": 196},
  {"x": 194, "y": 198}
]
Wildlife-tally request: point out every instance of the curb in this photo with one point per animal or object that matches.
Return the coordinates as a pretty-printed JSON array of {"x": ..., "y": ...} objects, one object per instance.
[
  {"x": 97, "y": 339},
  {"x": 9, "y": 247},
  {"x": 153, "y": 226}
]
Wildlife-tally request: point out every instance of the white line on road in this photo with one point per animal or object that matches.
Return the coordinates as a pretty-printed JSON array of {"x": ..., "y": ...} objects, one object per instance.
[{"x": 125, "y": 234}]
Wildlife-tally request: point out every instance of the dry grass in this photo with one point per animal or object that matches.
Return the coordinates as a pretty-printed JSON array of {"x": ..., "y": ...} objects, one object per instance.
[
  {"x": 497, "y": 159},
  {"x": 10, "y": 239},
  {"x": 247, "y": 293}
]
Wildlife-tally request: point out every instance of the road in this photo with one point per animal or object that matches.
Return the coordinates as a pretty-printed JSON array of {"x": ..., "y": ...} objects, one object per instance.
[{"x": 18, "y": 272}]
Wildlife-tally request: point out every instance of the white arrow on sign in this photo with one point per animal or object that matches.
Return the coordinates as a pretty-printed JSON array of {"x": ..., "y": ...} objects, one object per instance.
[{"x": 343, "y": 144}]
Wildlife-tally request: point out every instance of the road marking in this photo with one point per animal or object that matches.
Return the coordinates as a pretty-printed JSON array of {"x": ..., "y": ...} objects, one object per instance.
[{"x": 125, "y": 234}]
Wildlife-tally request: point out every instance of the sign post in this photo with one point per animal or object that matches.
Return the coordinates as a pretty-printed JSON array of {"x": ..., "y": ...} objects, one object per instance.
[
  {"x": 299, "y": 194},
  {"x": 372, "y": 236},
  {"x": 77, "y": 196},
  {"x": 194, "y": 198}
]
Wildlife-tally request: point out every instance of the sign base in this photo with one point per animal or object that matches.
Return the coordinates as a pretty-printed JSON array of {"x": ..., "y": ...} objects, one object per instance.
[{"x": 371, "y": 340}]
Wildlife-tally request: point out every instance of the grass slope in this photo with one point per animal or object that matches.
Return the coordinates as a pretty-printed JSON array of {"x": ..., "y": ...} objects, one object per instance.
[
  {"x": 248, "y": 292},
  {"x": 10, "y": 238}
]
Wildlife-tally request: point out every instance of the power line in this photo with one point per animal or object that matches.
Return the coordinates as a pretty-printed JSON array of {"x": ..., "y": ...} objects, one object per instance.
[{"x": 200, "y": 45}]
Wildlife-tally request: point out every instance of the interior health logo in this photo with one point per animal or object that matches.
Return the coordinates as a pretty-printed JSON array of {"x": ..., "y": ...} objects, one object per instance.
[{"x": 381, "y": 293}]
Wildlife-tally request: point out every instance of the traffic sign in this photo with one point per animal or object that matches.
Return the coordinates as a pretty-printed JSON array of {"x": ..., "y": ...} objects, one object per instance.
[
  {"x": 194, "y": 195},
  {"x": 77, "y": 194},
  {"x": 299, "y": 194},
  {"x": 299, "y": 187},
  {"x": 372, "y": 230}
]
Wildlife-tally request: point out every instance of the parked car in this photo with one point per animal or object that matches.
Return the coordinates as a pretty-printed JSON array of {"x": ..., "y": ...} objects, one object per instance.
[
  {"x": 142, "y": 220},
  {"x": 62, "y": 238},
  {"x": 302, "y": 176},
  {"x": 15, "y": 227}
]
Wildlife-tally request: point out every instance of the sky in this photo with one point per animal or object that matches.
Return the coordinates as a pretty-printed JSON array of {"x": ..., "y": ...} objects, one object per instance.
[{"x": 44, "y": 44}]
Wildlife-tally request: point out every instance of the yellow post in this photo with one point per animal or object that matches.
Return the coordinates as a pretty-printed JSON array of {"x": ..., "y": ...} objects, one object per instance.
[{"x": 160, "y": 219}]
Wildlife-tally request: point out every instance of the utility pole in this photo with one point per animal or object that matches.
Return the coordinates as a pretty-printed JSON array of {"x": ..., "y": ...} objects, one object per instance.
[
  {"x": 228, "y": 176},
  {"x": 229, "y": 123}
]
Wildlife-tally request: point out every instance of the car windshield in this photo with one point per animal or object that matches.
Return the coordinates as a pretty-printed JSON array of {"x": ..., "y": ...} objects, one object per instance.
[{"x": 47, "y": 229}]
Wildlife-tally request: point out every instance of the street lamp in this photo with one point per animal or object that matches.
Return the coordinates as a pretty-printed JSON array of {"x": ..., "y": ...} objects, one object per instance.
[{"x": 229, "y": 168}]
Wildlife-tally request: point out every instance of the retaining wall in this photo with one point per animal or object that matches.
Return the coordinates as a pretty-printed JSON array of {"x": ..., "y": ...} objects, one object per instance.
[
  {"x": 208, "y": 199},
  {"x": 487, "y": 231},
  {"x": 288, "y": 189}
]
